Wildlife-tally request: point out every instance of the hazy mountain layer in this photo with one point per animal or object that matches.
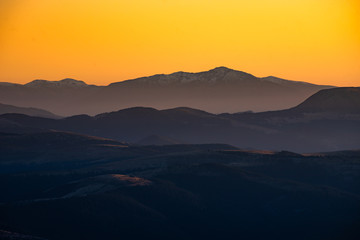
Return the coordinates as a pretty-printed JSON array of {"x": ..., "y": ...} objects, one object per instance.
[
  {"x": 218, "y": 90},
  {"x": 314, "y": 125}
]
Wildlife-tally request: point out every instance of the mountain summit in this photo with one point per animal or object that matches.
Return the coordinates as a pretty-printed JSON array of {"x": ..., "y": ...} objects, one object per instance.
[{"x": 216, "y": 76}]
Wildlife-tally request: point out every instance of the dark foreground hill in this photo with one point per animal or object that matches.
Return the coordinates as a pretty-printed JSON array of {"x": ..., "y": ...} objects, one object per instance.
[
  {"x": 336, "y": 100},
  {"x": 6, "y": 235},
  {"x": 217, "y": 90},
  {"x": 57, "y": 185},
  {"x": 157, "y": 140},
  {"x": 327, "y": 121}
]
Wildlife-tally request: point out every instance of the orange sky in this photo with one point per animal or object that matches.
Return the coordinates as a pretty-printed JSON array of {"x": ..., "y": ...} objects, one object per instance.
[{"x": 105, "y": 41}]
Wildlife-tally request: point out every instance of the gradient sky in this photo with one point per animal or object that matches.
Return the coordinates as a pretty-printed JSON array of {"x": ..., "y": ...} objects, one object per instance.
[{"x": 106, "y": 41}]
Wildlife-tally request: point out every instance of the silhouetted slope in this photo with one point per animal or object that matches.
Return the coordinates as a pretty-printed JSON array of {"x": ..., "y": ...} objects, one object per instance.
[
  {"x": 8, "y": 126},
  {"x": 53, "y": 138},
  {"x": 217, "y": 90},
  {"x": 55, "y": 150},
  {"x": 336, "y": 100},
  {"x": 21, "y": 123},
  {"x": 4, "y": 108}
]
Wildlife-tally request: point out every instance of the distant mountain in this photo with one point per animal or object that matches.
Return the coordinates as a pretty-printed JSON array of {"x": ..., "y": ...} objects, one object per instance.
[
  {"x": 218, "y": 90},
  {"x": 298, "y": 129},
  {"x": 4, "y": 108},
  {"x": 65, "y": 83}
]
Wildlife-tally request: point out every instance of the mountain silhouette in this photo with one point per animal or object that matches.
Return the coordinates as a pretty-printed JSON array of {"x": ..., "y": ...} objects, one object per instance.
[{"x": 218, "y": 90}]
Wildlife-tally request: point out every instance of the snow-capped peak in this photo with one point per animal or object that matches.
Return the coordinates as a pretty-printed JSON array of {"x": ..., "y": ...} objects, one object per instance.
[{"x": 219, "y": 75}]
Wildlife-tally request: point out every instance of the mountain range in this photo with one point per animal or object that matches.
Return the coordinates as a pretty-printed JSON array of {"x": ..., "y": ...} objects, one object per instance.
[
  {"x": 218, "y": 90},
  {"x": 329, "y": 120},
  {"x": 181, "y": 173}
]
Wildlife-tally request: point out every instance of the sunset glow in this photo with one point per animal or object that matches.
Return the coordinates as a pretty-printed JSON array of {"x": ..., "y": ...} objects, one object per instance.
[{"x": 106, "y": 41}]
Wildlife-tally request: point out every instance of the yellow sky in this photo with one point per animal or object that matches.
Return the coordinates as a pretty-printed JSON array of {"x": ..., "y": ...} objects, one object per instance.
[{"x": 105, "y": 41}]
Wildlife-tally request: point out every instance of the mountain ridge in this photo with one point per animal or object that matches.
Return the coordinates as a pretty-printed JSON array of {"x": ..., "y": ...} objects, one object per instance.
[{"x": 216, "y": 70}]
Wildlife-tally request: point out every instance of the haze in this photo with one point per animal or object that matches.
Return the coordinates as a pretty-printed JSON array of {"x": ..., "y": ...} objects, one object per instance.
[{"x": 108, "y": 41}]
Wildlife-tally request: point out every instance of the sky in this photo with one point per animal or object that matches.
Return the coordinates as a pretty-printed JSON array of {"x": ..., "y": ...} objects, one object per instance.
[{"x": 106, "y": 41}]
